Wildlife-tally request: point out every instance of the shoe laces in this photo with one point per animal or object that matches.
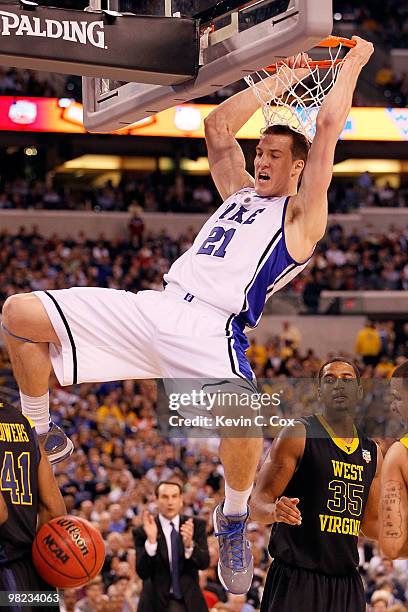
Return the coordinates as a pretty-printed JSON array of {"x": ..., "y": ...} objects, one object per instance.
[{"x": 233, "y": 533}]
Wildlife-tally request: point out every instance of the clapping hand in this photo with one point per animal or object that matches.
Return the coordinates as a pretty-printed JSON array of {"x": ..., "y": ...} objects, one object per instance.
[
  {"x": 150, "y": 526},
  {"x": 187, "y": 532}
]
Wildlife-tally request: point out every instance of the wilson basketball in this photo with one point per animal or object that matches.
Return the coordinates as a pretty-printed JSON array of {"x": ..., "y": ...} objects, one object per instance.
[{"x": 68, "y": 552}]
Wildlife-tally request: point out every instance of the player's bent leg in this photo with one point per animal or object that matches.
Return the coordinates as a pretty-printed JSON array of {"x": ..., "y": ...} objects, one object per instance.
[
  {"x": 240, "y": 458},
  {"x": 27, "y": 332},
  {"x": 240, "y": 451},
  {"x": 25, "y": 317}
]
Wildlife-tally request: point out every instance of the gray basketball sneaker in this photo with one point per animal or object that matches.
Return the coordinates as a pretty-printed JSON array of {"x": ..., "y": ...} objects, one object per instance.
[
  {"x": 236, "y": 565},
  {"x": 56, "y": 444}
]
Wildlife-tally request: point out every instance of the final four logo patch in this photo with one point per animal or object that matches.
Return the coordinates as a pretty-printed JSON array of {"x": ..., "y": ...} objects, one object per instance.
[{"x": 366, "y": 456}]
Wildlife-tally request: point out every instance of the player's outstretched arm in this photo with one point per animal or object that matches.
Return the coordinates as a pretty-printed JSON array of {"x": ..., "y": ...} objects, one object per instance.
[
  {"x": 51, "y": 501},
  {"x": 3, "y": 510},
  {"x": 225, "y": 156},
  {"x": 393, "y": 538},
  {"x": 266, "y": 505},
  {"x": 370, "y": 522},
  {"x": 308, "y": 209}
]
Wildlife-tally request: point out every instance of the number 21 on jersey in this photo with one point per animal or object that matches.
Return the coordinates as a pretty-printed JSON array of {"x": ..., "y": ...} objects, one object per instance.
[{"x": 217, "y": 242}]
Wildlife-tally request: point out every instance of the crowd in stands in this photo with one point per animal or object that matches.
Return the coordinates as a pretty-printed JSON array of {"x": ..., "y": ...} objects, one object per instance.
[
  {"x": 389, "y": 20},
  {"x": 154, "y": 192},
  {"x": 346, "y": 197},
  {"x": 386, "y": 24},
  {"x": 393, "y": 85},
  {"x": 365, "y": 259},
  {"x": 14, "y": 82},
  {"x": 362, "y": 260},
  {"x": 167, "y": 193}
]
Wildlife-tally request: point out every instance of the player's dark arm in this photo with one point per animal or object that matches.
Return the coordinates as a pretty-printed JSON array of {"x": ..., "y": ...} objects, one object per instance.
[
  {"x": 200, "y": 555},
  {"x": 394, "y": 504},
  {"x": 307, "y": 211},
  {"x": 51, "y": 502},
  {"x": 225, "y": 156},
  {"x": 3, "y": 510},
  {"x": 274, "y": 476},
  {"x": 370, "y": 522}
]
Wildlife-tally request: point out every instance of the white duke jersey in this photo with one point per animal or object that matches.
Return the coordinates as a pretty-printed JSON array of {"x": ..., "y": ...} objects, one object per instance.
[{"x": 239, "y": 258}]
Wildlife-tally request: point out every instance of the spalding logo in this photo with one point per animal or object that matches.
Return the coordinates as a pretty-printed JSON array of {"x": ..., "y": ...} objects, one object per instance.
[
  {"x": 55, "y": 549},
  {"x": 75, "y": 533},
  {"x": 74, "y": 31}
]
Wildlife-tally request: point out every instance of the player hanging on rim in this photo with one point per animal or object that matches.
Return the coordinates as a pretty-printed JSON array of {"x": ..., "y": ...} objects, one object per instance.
[
  {"x": 319, "y": 487},
  {"x": 394, "y": 479},
  {"x": 260, "y": 238}
]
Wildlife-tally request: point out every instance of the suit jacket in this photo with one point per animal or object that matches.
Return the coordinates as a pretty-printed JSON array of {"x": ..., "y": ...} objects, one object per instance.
[{"x": 155, "y": 571}]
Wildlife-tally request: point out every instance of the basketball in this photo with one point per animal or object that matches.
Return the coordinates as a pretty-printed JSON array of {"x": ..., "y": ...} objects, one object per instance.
[{"x": 68, "y": 552}]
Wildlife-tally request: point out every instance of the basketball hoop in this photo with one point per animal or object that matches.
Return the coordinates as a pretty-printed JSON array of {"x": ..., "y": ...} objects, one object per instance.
[{"x": 299, "y": 104}]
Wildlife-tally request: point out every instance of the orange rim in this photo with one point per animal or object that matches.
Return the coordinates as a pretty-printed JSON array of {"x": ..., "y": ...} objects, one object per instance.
[
  {"x": 335, "y": 41},
  {"x": 329, "y": 42}
]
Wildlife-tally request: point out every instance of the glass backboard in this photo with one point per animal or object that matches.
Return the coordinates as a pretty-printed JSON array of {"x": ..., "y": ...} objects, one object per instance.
[{"x": 238, "y": 37}]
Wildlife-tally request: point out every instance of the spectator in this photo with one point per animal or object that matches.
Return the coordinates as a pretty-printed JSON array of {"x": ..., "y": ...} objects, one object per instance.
[
  {"x": 290, "y": 334},
  {"x": 203, "y": 196},
  {"x": 312, "y": 290},
  {"x": 368, "y": 343},
  {"x": 117, "y": 523},
  {"x": 256, "y": 352},
  {"x": 170, "y": 549},
  {"x": 93, "y": 594},
  {"x": 68, "y": 599},
  {"x": 136, "y": 224},
  {"x": 380, "y": 601}
]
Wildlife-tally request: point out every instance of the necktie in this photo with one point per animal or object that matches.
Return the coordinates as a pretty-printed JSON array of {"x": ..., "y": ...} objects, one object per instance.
[{"x": 175, "y": 563}]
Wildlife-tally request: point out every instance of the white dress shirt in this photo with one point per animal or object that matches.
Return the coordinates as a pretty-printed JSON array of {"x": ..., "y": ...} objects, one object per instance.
[{"x": 151, "y": 549}]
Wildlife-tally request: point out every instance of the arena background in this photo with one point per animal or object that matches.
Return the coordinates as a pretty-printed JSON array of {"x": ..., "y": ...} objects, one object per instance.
[{"x": 116, "y": 210}]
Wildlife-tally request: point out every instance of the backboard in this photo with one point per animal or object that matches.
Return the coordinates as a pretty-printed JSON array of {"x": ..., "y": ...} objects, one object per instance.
[{"x": 238, "y": 37}]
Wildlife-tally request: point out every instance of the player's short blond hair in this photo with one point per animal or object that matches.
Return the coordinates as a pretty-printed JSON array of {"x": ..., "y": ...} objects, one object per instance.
[{"x": 300, "y": 144}]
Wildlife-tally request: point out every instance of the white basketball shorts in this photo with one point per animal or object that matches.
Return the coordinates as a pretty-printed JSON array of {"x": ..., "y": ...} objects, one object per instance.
[{"x": 109, "y": 334}]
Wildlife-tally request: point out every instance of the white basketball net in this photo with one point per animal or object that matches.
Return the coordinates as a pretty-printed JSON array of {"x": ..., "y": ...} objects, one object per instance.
[{"x": 299, "y": 104}]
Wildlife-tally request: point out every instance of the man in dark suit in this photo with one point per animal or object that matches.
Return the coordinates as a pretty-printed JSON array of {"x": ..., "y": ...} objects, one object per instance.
[{"x": 170, "y": 549}]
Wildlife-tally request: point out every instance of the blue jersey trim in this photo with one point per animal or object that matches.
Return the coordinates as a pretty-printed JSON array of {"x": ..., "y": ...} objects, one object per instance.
[
  {"x": 261, "y": 262},
  {"x": 237, "y": 345},
  {"x": 274, "y": 265},
  {"x": 70, "y": 336},
  {"x": 282, "y": 275}
]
